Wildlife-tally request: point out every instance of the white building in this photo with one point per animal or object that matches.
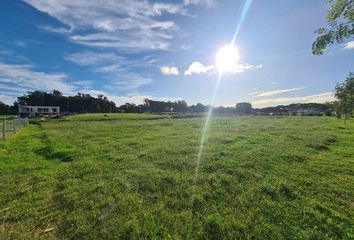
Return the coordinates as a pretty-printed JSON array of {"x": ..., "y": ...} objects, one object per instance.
[{"x": 35, "y": 111}]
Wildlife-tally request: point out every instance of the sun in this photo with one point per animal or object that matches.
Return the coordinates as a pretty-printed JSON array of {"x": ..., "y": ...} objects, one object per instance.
[{"x": 227, "y": 59}]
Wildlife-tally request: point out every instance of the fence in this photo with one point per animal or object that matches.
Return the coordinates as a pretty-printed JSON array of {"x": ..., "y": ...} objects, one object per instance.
[{"x": 10, "y": 126}]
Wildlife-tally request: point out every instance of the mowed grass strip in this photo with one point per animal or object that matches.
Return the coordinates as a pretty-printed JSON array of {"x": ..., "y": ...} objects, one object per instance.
[{"x": 127, "y": 177}]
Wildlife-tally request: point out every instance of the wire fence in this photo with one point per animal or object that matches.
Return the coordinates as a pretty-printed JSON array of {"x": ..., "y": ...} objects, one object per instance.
[{"x": 11, "y": 125}]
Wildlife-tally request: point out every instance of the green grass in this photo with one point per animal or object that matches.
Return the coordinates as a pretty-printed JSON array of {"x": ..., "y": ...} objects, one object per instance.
[
  {"x": 7, "y": 116},
  {"x": 9, "y": 128},
  {"x": 132, "y": 177},
  {"x": 114, "y": 116}
]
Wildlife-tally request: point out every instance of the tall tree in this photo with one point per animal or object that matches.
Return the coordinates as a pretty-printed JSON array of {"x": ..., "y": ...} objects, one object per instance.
[
  {"x": 341, "y": 22},
  {"x": 6, "y": 109},
  {"x": 78, "y": 103},
  {"x": 344, "y": 92},
  {"x": 244, "y": 108}
]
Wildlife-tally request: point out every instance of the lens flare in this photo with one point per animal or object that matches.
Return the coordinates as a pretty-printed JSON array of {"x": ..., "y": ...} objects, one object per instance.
[
  {"x": 227, "y": 59},
  {"x": 205, "y": 128}
]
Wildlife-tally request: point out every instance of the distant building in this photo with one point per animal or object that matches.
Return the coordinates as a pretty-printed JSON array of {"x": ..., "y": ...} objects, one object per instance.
[{"x": 35, "y": 111}]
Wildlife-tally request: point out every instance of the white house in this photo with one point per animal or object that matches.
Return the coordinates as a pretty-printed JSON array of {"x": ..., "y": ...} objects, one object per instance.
[{"x": 34, "y": 111}]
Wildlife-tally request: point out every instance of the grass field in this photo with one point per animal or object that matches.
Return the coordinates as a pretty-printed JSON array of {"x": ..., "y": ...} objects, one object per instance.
[{"x": 132, "y": 177}]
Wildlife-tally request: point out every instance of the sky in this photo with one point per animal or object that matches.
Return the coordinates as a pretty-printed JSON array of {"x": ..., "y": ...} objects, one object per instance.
[{"x": 129, "y": 50}]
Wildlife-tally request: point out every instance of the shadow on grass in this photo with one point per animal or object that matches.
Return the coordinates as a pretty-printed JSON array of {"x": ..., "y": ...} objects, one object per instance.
[
  {"x": 48, "y": 152},
  {"x": 61, "y": 156}
]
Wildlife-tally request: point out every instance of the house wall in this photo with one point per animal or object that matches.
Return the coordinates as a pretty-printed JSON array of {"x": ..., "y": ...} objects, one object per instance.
[{"x": 33, "y": 111}]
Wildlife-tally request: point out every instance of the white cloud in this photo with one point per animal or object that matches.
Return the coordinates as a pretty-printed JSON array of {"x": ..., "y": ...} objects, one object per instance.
[
  {"x": 102, "y": 62},
  {"x": 16, "y": 79},
  {"x": 10, "y": 87},
  {"x": 246, "y": 67},
  {"x": 254, "y": 93},
  {"x": 105, "y": 25},
  {"x": 317, "y": 98},
  {"x": 198, "y": 68},
  {"x": 160, "y": 8},
  {"x": 131, "y": 25},
  {"x": 82, "y": 83},
  {"x": 275, "y": 92},
  {"x": 114, "y": 67},
  {"x": 199, "y": 2},
  {"x": 349, "y": 45},
  {"x": 94, "y": 58},
  {"x": 127, "y": 42},
  {"x": 25, "y": 76},
  {"x": 138, "y": 99},
  {"x": 169, "y": 71},
  {"x": 135, "y": 98},
  {"x": 7, "y": 99},
  {"x": 20, "y": 43},
  {"x": 6, "y": 54},
  {"x": 127, "y": 81}
]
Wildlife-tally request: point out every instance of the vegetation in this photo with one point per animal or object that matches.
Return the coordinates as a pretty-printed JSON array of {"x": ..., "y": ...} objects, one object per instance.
[
  {"x": 341, "y": 21},
  {"x": 244, "y": 107},
  {"x": 6, "y": 109},
  {"x": 84, "y": 103},
  {"x": 127, "y": 176},
  {"x": 344, "y": 92},
  {"x": 79, "y": 103},
  {"x": 300, "y": 108}
]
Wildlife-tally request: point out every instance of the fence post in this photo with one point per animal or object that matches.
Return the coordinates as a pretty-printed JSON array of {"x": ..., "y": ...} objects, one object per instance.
[
  {"x": 4, "y": 129},
  {"x": 14, "y": 124}
]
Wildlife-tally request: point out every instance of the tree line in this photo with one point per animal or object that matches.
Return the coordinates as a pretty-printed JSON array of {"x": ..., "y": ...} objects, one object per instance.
[
  {"x": 80, "y": 103},
  {"x": 85, "y": 103}
]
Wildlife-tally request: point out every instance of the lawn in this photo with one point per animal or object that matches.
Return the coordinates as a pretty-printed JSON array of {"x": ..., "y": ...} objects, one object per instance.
[{"x": 127, "y": 176}]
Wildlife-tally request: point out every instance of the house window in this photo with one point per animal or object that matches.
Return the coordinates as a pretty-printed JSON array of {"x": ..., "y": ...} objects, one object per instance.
[
  {"x": 54, "y": 110},
  {"x": 40, "y": 110},
  {"x": 46, "y": 110},
  {"x": 25, "y": 109}
]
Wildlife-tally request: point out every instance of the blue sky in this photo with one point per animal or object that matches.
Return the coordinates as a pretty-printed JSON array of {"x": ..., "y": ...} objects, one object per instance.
[{"x": 129, "y": 50}]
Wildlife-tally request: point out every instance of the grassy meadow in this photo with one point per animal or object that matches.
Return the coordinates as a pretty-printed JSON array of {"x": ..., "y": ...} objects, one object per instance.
[{"x": 129, "y": 176}]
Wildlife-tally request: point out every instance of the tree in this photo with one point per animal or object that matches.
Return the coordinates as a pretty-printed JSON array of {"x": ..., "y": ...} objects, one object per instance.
[
  {"x": 337, "y": 109},
  {"x": 79, "y": 103},
  {"x": 180, "y": 106},
  {"x": 344, "y": 92},
  {"x": 198, "y": 108},
  {"x": 244, "y": 108},
  {"x": 57, "y": 93},
  {"x": 341, "y": 21},
  {"x": 6, "y": 109}
]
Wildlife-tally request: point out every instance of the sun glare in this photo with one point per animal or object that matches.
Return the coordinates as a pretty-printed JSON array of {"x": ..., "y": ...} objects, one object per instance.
[{"x": 227, "y": 59}]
